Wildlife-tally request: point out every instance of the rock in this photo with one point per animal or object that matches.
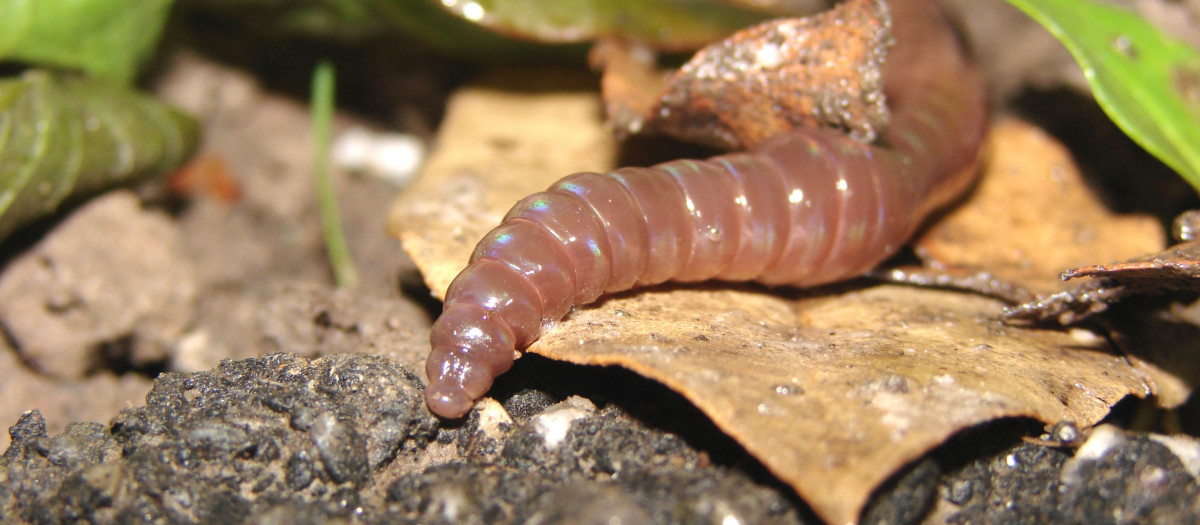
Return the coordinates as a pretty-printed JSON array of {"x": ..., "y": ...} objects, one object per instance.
[
  {"x": 346, "y": 438},
  {"x": 224, "y": 446},
  {"x": 1112, "y": 478},
  {"x": 109, "y": 271},
  {"x": 311, "y": 320},
  {"x": 97, "y": 396}
]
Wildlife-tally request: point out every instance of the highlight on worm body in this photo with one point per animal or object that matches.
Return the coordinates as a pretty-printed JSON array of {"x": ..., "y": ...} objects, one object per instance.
[{"x": 804, "y": 208}]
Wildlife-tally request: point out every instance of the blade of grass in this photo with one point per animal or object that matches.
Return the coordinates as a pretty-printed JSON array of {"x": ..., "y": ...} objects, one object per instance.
[{"x": 322, "y": 103}]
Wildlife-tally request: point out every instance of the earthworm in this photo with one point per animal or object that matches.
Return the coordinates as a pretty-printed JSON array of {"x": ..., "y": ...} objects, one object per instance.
[{"x": 804, "y": 208}]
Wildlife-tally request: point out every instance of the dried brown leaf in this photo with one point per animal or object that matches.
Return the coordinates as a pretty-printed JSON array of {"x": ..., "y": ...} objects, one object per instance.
[
  {"x": 1032, "y": 216},
  {"x": 1175, "y": 269},
  {"x": 836, "y": 393},
  {"x": 1158, "y": 336},
  {"x": 833, "y": 392},
  {"x": 501, "y": 140}
]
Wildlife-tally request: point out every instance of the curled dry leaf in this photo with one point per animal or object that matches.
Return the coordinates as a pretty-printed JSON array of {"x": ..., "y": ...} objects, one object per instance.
[
  {"x": 1174, "y": 269},
  {"x": 833, "y": 392},
  {"x": 824, "y": 70}
]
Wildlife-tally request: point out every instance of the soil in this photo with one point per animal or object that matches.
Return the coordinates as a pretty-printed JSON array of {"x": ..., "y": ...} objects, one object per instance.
[{"x": 227, "y": 379}]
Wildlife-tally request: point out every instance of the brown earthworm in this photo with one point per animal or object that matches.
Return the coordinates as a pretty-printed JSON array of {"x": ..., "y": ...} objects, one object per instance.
[{"x": 804, "y": 208}]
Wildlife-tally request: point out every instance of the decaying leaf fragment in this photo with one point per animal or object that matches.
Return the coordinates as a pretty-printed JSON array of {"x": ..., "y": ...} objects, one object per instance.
[
  {"x": 833, "y": 390},
  {"x": 823, "y": 70},
  {"x": 1175, "y": 269}
]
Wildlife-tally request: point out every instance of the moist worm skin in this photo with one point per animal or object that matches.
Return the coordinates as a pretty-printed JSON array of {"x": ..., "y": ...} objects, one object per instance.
[{"x": 808, "y": 207}]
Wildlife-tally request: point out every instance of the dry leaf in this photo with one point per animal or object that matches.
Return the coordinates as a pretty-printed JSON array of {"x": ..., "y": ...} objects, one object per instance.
[
  {"x": 1176, "y": 269},
  {"x": 1159, "y": 338},
  {"x": 500, "y": 140},
  {"x": 833, "y": 392},
  {"x": 1032, "y": 216}
]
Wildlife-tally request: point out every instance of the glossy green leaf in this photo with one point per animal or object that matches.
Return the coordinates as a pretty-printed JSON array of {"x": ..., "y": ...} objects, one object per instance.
[
  {"x": 664, "y": 24},
  {"x": 65, "y": 139},
  {"x": 108, "y": 38},
  {"x": 1147, "y": 81},
  {"x": 450, "y": 34},
  {"x": 337, "y": 20}
]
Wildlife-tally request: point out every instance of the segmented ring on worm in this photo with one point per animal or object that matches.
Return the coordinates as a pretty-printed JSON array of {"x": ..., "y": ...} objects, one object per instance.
[{"x": 808, "y": 207}]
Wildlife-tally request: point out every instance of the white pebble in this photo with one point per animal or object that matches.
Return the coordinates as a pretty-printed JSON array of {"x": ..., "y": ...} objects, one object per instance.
[{"x": 394, "y": 157}]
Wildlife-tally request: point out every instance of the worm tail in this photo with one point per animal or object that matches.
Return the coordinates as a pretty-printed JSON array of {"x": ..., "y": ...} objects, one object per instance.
[
  {"x": 554, "y": 249},
  {"x": 807, "y": 207}
]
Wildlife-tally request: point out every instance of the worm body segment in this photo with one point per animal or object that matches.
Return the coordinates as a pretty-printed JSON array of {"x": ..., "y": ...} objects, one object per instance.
[{"x": 807, "y": 207}]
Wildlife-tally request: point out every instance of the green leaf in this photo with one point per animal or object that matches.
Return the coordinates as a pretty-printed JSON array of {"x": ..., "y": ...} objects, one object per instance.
[
  {"x": 1147, "y": 81},
  {"x": 664, "y": 24},
  {"x": 108, "y": 38},
  {"x": 65, "y": 139}
]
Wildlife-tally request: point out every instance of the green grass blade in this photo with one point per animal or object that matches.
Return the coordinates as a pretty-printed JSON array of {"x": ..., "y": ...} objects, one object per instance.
[
  {"x": 1147, "y": 81},
  {"x": 323, "y": 93}
]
